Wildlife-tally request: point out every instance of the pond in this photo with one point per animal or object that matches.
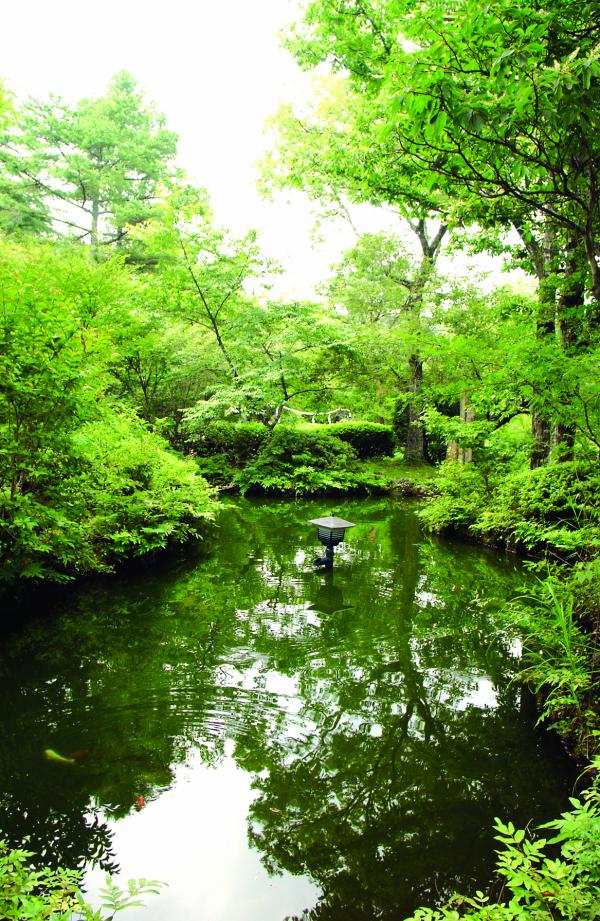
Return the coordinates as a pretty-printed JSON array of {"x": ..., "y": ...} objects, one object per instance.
[{"x": 266, "y": 738}]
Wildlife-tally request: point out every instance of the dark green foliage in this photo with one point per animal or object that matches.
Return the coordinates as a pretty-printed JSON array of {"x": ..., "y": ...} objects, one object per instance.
[
  {"x": 217, "y": 470},
  {"x": 461, "y": 496},
  {"x": 239, "y": 442},
  {"x": 369, "y": 439},
  {"x": 553, "y": 508},
  {"x": 559, "y": 624},
  {"x": 304, "y": 462}
]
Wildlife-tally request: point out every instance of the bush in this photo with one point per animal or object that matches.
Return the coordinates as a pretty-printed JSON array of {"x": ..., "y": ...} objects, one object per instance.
[
  {"x": 238, "y": 441},
  {"x": 141, "y": 495},
  {"x": 369, "y": 439},
  {"x": 559, "y": 624},
  {"x": 115, "y": 491},
  {"x": 217, "y": 470},
  {"x": 304, "y": 462},
  {"x": 555, "y": 507},
  {"x": 462, "y": 495}
]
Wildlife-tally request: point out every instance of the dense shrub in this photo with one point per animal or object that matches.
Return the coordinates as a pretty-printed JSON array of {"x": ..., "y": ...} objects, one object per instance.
[
  {"x": 554, "y": 508},
  {"x": 114, "y": 491},
  {"x": 238, "y": 441},
  {"x": 217, "y": 470},
  {"x": 29, "y": 894},
  {"x": 369, "y": 439},
  {"x": 140, "y": 495},
  {"x": 558, "y": 622},
  {"x": 461, "y": 495},
  {"x": 304, "y": 462}
]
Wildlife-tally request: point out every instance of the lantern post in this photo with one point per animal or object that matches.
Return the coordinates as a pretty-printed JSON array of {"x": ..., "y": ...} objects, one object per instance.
[{"x": 330, "y": 531}]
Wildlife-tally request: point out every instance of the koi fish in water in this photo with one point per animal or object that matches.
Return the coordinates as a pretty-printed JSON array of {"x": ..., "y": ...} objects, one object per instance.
[
  {"x": 140, "y": 802},
  {"x": 51, "y": 755}
]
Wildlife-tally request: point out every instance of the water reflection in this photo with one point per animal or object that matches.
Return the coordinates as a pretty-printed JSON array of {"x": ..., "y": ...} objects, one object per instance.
[{"x": 371, "y": 707}]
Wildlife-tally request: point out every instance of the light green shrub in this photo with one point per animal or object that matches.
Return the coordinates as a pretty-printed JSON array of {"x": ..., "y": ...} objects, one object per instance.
[{"x": 300, "y": 462}]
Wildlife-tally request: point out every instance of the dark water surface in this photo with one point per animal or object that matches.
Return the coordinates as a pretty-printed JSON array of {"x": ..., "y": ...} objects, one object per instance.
[{"x": 295, "y": 739}]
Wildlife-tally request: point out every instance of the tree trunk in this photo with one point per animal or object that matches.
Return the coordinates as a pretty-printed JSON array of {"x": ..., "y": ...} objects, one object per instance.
[
  {"x": 544, "y": 255},
  {"x": 465, "y": 455},
  {"x": 571, "y": 297},
  {"x": 540, "y": 451},
  {"x": 414, "y": 451},
  {"x": 540, "y": 425},
  {"x": 94, "y": 227}
]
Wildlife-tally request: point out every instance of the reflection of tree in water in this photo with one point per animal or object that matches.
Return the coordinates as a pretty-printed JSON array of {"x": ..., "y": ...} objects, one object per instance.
[
  {"x": 388, "y": 800},
  {"x": 383, "y": 774},
  {"x": 129, "y": 677}
]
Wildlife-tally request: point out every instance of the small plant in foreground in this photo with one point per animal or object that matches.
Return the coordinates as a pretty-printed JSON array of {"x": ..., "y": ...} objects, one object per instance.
[
  {"x": 30, "y": 894},
  {"x": 537, "y": 884}
]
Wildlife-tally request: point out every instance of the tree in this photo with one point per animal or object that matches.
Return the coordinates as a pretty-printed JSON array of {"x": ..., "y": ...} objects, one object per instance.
[
  {"x": 203, "y": 271},
  {"x": 261, "y": 352},
  {"x": 335, "y": 152},
  {"x": 82, "y": 481},
  {"x": 99, "y": 163},
  {"x": 496, "y": 101},
  {"x": 496, "y": 106},
  {"x": 23, "y": 210},
  {"x": 384, "y": 293}
]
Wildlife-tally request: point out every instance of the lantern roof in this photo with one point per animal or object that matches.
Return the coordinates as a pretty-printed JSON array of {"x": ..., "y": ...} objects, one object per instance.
[{"x": 332, "y": 522}]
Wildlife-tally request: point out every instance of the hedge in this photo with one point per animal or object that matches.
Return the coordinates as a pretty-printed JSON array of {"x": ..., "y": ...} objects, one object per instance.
[
  {"x": 238, "y": 441},
  {"x": 369, "y": 439}
]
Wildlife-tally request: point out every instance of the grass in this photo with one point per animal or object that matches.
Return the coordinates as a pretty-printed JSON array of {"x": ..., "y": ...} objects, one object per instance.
[{"x": 395, "y": 468}]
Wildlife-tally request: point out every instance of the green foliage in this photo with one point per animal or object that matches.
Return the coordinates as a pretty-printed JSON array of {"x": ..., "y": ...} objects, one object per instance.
[
  {"x": 374, "y": 279},
  {"x": 460, "y": 496},
  {"x": 552, "y": 508},
  {"x": 555, "y": 507},
  {"x": 559, "y": 624},
  {"x": 28, "y": 894},
  {"x": 23, "y": 210},
  {"x": 104, "y": 156},
  {"x": 139, "y": 496},
  {"x": 396, "y": 474},
  {"x": 238, "y": 442},
  {"x": 369, "y": 439},
  {"x": 538, "y": 884},
  {"x": 34, "y": 895},
  {"x": 487, "y": 104},
  {"x": 300, "y": 462},
  {"x": 122, "y": 493},
  {"x": 217, "y": 470},
  {"x": 83, "y": 483}
]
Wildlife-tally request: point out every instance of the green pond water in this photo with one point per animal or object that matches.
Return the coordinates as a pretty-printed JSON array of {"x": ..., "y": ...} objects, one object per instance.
[{"x": 266, "y": 738}]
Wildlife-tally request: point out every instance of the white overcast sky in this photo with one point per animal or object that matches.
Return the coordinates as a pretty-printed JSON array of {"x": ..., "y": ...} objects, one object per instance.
[{"x": 216, "y": 70}]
